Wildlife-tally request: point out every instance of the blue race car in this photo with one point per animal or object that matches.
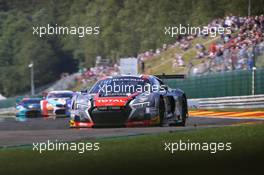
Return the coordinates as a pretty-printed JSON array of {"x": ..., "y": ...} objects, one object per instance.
[{"x": 29, "y": 107}]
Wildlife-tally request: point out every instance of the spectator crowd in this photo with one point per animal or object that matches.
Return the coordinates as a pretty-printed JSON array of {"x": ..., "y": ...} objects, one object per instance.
[{"x": 234, "y": 51}]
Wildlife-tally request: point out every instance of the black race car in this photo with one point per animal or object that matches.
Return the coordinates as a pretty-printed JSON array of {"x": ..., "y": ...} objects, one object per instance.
[{"x": 142, "y": 100}]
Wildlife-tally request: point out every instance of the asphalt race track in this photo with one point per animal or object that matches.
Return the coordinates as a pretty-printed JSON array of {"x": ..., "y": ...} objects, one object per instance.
[{"x": 17, "y": 131}]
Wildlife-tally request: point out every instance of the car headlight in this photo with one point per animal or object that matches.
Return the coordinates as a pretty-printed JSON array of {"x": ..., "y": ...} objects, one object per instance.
[
  {"x": 142, "y": 101},
  {"x": 68, "y": 105},
  {"x": 140, "y": 105},
  {"x": 83, "y": 100},
  {"x": 83, "y": 107},
  {"x": 142, "y": 98},
  {"x": 83, "y": 103},
  {"x": 19, "y": 108},
  {"x": 31, "y": 106}
]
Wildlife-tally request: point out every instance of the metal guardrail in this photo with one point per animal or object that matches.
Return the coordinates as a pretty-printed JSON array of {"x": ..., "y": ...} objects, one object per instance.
[
  {"x": 249, "y": 101},
  {"x": 8, "y": 111}
]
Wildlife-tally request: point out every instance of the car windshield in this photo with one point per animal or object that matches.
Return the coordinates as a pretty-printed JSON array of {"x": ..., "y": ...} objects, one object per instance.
[
  {"x": 59, "y": 95},
  {"x": 121, "y": 86},
  {"x": 31, "y": 101}
]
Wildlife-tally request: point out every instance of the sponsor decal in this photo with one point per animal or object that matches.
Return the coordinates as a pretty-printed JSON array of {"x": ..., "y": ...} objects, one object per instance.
[{"x": 108, "y": 101}]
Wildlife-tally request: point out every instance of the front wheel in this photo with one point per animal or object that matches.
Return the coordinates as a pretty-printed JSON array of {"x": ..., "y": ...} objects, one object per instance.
[
  {"x": 161, "y": 112},
  {"x": 183, "y": 112}
]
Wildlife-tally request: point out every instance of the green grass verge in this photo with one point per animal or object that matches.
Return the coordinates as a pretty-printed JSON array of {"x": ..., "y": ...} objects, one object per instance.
[{"x": 132, "y": 155}]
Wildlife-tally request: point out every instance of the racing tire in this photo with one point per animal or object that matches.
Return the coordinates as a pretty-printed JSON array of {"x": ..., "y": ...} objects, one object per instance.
[
  {"x": 161, "y": 111},
  {"x": 183, "y": 112}
]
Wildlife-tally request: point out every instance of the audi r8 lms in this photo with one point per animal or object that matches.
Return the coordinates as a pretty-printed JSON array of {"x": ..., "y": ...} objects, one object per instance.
[
  {"x": 28, "y": 107},
  {"x": 129, "y": 101},
  {"x": 55, "y": 103}
]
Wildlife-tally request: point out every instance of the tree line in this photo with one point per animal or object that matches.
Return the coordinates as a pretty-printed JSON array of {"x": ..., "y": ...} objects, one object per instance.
[{"x": 127, "y": 27}]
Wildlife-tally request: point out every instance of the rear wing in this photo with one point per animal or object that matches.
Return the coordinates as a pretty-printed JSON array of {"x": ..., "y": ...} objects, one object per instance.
[{"x": 176, "y": 76}]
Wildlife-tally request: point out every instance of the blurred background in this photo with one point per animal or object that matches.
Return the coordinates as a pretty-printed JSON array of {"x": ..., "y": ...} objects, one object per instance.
[{"x": 131, "y": 29}]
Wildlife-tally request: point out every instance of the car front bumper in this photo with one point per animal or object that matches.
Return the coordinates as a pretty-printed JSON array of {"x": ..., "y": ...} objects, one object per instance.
[{"x": 126, "y": 117}]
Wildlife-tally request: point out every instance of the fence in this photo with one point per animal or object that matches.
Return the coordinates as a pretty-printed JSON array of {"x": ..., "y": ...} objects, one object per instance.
[{"x": 233, "y": 83}]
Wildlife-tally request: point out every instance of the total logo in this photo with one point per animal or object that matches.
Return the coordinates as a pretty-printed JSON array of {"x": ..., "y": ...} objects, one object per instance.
[{"x": 111, "y": 101}]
